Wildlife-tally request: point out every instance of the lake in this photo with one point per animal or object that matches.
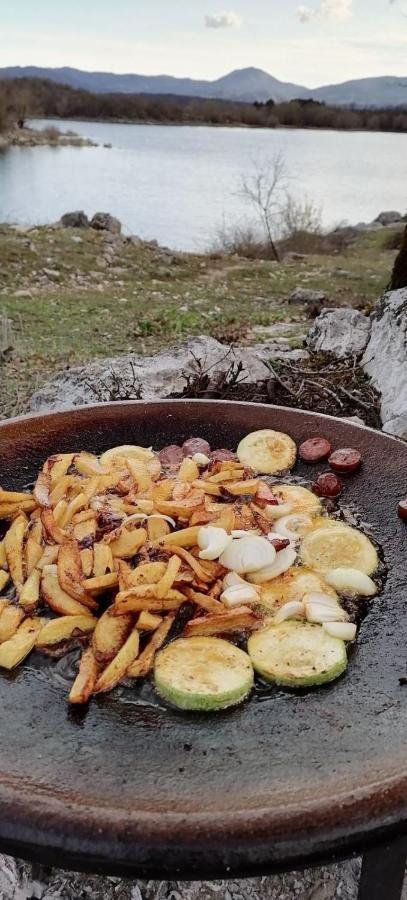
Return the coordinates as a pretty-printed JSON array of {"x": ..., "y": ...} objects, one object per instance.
[{"x": 180, "y": 184}]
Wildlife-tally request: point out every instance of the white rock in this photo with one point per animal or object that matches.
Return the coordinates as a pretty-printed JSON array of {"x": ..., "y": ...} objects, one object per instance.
[
  {"x": 385, "y": 360},
  {"x": 159, "y": 375},
  {"x": 339, "y": 331}
]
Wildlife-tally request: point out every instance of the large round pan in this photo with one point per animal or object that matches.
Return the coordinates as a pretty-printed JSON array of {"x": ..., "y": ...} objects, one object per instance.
[{"x": 137, "y": 789}]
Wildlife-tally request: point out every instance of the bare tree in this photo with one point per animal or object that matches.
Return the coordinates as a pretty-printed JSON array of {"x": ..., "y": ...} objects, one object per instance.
[{"x": 263, "y": 189}]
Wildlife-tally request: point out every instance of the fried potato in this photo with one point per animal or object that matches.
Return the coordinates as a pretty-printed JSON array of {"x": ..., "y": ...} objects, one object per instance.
[
  {"x": 84, "y": 516},
  {"x": 14, "y": 650},
  {"x": 90, "y": 488},
  {"x": 119, "y": 665},
  {"x": 128, "y": 542},
  {"x": 16, "y": 497},
  {"x": 33, "y": 552},
  {"x": 144, "y": 663},
  {"x": 4, "y": 601},
  {"x": 240, "y": 619},
  {"x": 70, "y": 575},
  {"x": 140, "y": 473},
  {"x": 208, "y": 488},
  {"x": 224, "y": 476},
  {"x": 188, "y": 470},
  {"x": 110, "y": 634},
  {"x": 64, "y": 628},
  {"x": 60, "y": 510},
  {"x": 57, "y": 466},
  {"x": 186, "y": 537},
  {"x": 11, "y": 510},
  {"x": 157, "y": 528},
  {"x": 3, "y": 559},
  {"x": 101, "y": 583},
  {"x": 30, "y": 592},
  {"x": 141, "y": 598},
  {"x": 139, "y": 506},
  {"x": 10, "y": 619},
  {"x": 4, "y": 579},
  {"x": 49, "y": 556},
  {"x": 88, "y": 464},
  {"x": 102, "y": 558},
  {"x": 13, "y": 543},
  {"x": 58, "y": 599},
  {"x": 238, "y": 488},
  {"x": 61, "y": 489},
  {"x": 74, "y": 505},
  {"x": 85, "y": 530},
  {"x": 163, "y": 490},
  {"x": 85, "y": 680},
  {"x": 146, "y": 573},
  {"x": 42, "y": 489},
  {"x": 53, "y": 530},
  {"x": 182, "y": 508},
  {"x": 226, "y": 519},
  {"x": 190, "y": 560},
  {"x": 87, "y": 561},
  {"x": 206, "y": 601},
  {"x": 167, "y": 580},
  {"x": 147, "y": 621}
]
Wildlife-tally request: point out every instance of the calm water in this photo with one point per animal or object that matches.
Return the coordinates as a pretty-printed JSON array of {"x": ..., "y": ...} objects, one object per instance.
[{"x": 179, "y": 184}]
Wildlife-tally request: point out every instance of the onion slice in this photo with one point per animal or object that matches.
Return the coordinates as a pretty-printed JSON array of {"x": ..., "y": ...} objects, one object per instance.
[
  {"x": 291, "y": 610},
  {"x": 346, "y": 631}
]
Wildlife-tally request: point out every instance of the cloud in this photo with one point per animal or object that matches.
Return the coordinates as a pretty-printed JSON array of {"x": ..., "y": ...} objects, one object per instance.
[
  {"x": 335, "y": 11},
  {"x": 223, "y": 20}
]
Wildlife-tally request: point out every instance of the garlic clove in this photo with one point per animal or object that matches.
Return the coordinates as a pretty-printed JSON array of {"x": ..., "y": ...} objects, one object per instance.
[
  {"x": 351, "y": 581},
  {"x": 200, "y": 459},
  {"x": 284, "y": 560},
  {"x": 346, "y": 631},
  {"x": 294, "y": 609},
  {"x": 212, "y": 541},
  {"x": 238, "y": 595},
  {"x": 248, "y": 554},
  {"x": 321, "y": 599},
  {"x": 317, "y": 613}
]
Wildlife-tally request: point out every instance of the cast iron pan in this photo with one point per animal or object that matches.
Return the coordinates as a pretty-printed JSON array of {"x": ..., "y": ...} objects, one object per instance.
[{"x": 132, "y": 788}]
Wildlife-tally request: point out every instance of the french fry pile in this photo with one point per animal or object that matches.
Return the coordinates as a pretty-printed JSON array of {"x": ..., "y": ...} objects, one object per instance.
[{"x": 90, "y": 557}]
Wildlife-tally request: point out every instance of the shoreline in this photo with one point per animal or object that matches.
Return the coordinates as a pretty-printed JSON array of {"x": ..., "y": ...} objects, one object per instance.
[
  {"x": 205, "y": 124},
  {"x": 46, "y": 137}
]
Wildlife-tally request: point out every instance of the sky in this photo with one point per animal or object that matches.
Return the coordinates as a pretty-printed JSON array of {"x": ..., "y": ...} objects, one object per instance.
[{"x": 311, "y": 43}]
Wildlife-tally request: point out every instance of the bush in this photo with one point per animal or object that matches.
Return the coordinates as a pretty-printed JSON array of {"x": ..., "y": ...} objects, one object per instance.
[
  {"x": 51, "y": 134},
  {"x": 243, "y": 240}
]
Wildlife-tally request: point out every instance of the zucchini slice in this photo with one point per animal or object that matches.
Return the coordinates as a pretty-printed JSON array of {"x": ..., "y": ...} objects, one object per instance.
[
  {"x": 340, "y": 547},
  {"x": 300, "y": 499},
  {"x": 203, "y": 673},
  {"x": 296, "y": 654},
  {"x": 267, "y": 451}
]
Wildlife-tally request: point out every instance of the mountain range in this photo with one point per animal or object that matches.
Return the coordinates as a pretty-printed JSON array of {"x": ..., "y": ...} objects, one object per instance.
[{"x": 245, "y": 85}]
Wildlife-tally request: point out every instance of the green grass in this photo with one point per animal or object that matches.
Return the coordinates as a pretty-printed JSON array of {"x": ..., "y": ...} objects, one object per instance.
[{"x": 148, "y": 298}]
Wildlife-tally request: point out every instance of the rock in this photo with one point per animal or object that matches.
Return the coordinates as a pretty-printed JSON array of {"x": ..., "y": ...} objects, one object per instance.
[
  {"x": 389, "y": 217},
  {"x": 159, "y": 375},
  {"x": 313, "y": 300},
  {"x": 52, "y": 274},
  {"x": 23, "y": 293},
  {"x": 76, "y": 219},
  {"x": 339, "y": 331},
  {"x": 76, "y": 239},
  {"x": 105, "y": 222},
  {"x": 385, "y": 360},
  {"x": 354, "y": 420}
]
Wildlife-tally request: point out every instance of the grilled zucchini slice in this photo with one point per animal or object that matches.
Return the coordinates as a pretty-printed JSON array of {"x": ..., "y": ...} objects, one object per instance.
[{"x": 296, "y": 654}]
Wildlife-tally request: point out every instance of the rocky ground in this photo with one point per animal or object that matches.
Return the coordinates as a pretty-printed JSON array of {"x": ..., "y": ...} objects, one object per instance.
[{"x": 69, "y": 295}]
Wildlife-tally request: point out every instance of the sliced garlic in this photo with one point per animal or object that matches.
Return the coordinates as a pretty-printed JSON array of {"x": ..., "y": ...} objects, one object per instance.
[
  {"x": 318, "y": 613},
  {"x": 351, "y": 581},
  {"x": 294, "y": 526},
  {"x": 135, "y": 516},
  {"x": 239, "y": 595},
  {"x": 277, "y": 511},
  {"x": 248, "y": 554},
  {"x": 321, "y": 599},
  {"x": 346, "y": 631},
  {"x": 291, "y": 610},
  {"x": 284, "y": 560},
  {"x": 200, "y": 459},
  {"x": 212, "y": 541}
]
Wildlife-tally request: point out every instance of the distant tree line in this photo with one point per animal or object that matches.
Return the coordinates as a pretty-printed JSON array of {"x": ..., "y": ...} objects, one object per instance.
[{"x": 22, "y": 98}]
